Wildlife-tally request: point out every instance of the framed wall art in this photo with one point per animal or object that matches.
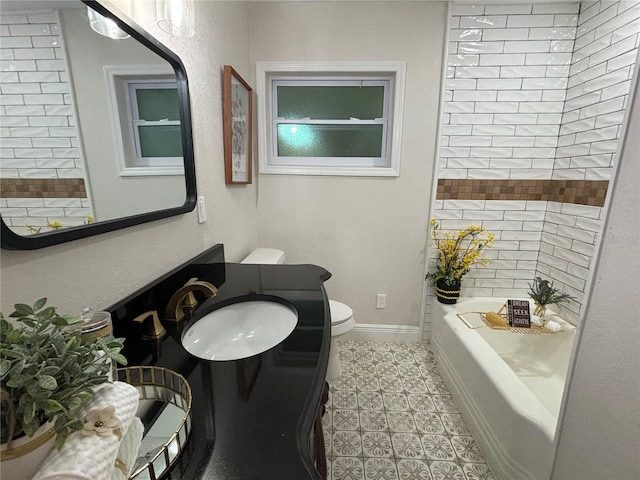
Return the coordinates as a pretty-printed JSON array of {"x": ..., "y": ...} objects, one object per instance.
[{"x": 237, "y": 98}]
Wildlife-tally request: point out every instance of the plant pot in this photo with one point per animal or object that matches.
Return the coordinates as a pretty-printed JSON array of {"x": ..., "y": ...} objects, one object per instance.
[
  {"x": 27, "y": 454},
  {"x": 447, "y": 294}
]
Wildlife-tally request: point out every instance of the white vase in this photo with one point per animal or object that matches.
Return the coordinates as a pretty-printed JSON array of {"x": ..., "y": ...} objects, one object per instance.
[{"x": 27, "y": 454}]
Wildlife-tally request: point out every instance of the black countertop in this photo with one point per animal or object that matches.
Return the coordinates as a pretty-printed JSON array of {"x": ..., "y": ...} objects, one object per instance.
[{"x": 252, "y": 418}]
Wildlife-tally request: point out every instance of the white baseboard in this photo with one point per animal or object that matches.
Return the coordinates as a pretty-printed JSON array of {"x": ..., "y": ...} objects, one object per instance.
[{"x": 383, "y": 333}]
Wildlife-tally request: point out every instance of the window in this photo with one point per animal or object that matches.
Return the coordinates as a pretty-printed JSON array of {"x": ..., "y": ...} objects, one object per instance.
[
  {"x": 330, "y": 119},
  {"x": 145, "y": 116},
  {"x": 156, "y": 122}
]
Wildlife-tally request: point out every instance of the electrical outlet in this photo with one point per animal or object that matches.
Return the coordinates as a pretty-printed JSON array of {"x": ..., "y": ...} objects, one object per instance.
[{"x": 381, "y": 300}]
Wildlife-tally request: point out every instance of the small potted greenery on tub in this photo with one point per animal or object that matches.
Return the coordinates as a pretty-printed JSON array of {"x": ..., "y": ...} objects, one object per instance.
[
  {"x": 543, "y": 293},
  {"x": 47, "y": 374}
]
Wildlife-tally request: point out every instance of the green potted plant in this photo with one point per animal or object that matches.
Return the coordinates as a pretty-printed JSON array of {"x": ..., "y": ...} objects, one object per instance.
[
  {"x": 457, "y": 253},
  {"x": 47, "y": 371},
  {"x": 543, "y": 293}
]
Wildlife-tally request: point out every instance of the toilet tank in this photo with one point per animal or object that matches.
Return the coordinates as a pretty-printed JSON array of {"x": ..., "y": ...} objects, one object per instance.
[{"x": 265, "y": 256}]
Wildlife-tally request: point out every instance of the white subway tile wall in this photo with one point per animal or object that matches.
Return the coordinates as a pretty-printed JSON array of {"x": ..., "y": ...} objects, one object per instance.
[
  {"x": 37, "y": 123},
  {"x": 534, "y": 92}
]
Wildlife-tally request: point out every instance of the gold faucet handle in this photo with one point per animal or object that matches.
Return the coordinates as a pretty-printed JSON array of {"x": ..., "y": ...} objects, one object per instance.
[
  {"x": 200, "y": 285},
  {"x": 152, "y": 326}
]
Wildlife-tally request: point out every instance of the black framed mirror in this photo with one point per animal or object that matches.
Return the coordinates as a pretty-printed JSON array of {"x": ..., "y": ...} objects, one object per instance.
[{"x": 96, "y": 130}]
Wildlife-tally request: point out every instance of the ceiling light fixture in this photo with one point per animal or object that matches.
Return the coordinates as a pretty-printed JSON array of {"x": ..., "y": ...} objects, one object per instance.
[
  {"x": 105, "y": 26},
  {"x": 176, "y": 17}
]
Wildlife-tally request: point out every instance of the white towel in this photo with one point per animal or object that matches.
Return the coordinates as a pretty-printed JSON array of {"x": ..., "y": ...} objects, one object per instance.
[
  {"x": 93, "y": 457},
  {"x": 553, "y": 326},
  {"x": 128, "y": 452}
]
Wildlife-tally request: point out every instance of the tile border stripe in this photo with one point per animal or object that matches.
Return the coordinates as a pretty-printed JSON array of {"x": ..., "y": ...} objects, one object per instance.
[
  {"x": 581, "y": 192},
  {"x": 42, "y": 188}
]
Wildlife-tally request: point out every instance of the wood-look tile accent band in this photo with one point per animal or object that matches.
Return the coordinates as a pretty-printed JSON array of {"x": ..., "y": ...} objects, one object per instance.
[
  {"x": 42, "y": 188},
  {"x": 581, "y": 192}
]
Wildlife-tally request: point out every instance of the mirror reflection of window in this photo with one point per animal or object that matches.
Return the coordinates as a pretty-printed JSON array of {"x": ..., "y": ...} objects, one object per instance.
[{"x": 156, "y": 123}]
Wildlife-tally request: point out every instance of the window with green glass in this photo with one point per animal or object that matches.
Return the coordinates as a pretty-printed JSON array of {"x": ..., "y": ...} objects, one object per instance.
[
  {"x": 321, "y": 121},
  {"x": 156, "y": 121}
]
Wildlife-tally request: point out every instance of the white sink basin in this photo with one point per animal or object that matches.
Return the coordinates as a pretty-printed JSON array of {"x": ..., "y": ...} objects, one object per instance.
[{"x": 240, "y": 330}]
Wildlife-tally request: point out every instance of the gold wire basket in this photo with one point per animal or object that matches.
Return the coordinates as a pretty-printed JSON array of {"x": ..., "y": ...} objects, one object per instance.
[{"x": 163, "y": 385}]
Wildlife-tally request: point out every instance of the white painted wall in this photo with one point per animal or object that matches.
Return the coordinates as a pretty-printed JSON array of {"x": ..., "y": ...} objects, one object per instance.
[
  {"x": 101, "y": 270},
  {"x": 369, "y": 232},
  {"x": 599, "y": 435}
]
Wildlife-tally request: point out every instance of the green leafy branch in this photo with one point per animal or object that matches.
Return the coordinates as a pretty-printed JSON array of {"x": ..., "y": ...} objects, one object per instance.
[{"x": 47, "y": 372}]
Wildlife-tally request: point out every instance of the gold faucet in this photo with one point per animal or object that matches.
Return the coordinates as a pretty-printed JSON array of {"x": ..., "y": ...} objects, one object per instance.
[
  {"x": 153, "y": 332},
  {"x": 183, "y": 303}
]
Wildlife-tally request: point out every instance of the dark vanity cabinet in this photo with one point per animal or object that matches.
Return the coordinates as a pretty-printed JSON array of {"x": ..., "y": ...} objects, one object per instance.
[{"x": 254, "y": 418}]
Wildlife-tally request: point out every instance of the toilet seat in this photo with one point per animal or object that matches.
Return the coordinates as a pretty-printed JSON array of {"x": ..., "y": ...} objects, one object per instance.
[{"x": 341, "y": 318}]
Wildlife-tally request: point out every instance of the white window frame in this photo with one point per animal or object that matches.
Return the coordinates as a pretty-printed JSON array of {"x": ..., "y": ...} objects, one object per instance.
[
  {"x": 270, "y": 74},
  {"x": 118, "y": 79}
]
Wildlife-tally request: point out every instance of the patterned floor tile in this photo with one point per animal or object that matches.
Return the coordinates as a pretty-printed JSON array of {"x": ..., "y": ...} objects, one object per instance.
[
  {"x": 438, "y": 447},
  {"x": 429, "y": 422},
  {"x": 477, "y": 471},
  {"x": 346, "y": 444},
  {"x": 446, "y": 471},
  {"x": 428, "y": 370},
  {"x": 391, "y": 384},
  {"x": 386, "y": 369},
  {"x": 345, "y": 399},
  {"x": 380, "y": 356},
  {"x": 400, "y": 346},
  {"x": 362, "y": 356},
  {"x": 395, "y": 401},
  {"x": 466, "y": 448},
  {"x": 346, "y": 355},
  {"x": 373, "y": 421},
  {"x": 403, "y": 356},
  {"x": 454, "y": 424},
  {"x": 414, "y": 385},
  {"x": 345, "y": 420},
  {"x": 381, "y": 346},
  {"x": 377, "y": 444},
  {"x": 361, "y": 345},
  {"x": 445, "y": 404},
  {"x": 413, "y": 470},
  {"x": 370, "y": 401},
  {"x": 401, "y": 421},
  {"x": 436, "y": 386},
  {"x": 421, "y": 402},
  {"x": 348, "y": 368},
  {"x": 425, "y": 357},
  {"x": 407, "y": 445},
  {"x": 409, "y": 370},
  {"x": 380, "y": 469},
  {"x": 420, "y": 347},
  {"x": 365, "y": 368},
  {"x": 367, "y": 383},
  {"x": 347, "y": 468},
  {"x": 344, "y": 383}
]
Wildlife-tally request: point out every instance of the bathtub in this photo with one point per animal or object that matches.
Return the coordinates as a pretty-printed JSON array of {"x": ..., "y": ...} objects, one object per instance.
[{"x": 508, "y": 386}]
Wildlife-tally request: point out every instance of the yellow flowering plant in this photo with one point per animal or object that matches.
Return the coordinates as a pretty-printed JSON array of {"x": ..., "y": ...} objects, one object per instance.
[{"x": 457, "y": 253}]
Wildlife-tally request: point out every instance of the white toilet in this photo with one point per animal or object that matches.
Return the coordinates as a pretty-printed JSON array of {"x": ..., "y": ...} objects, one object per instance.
[{"x": 342, "y": 320}]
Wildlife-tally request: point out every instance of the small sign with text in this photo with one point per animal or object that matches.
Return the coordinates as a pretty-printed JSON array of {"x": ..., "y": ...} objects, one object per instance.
[{"x": 518, "y": 313}]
